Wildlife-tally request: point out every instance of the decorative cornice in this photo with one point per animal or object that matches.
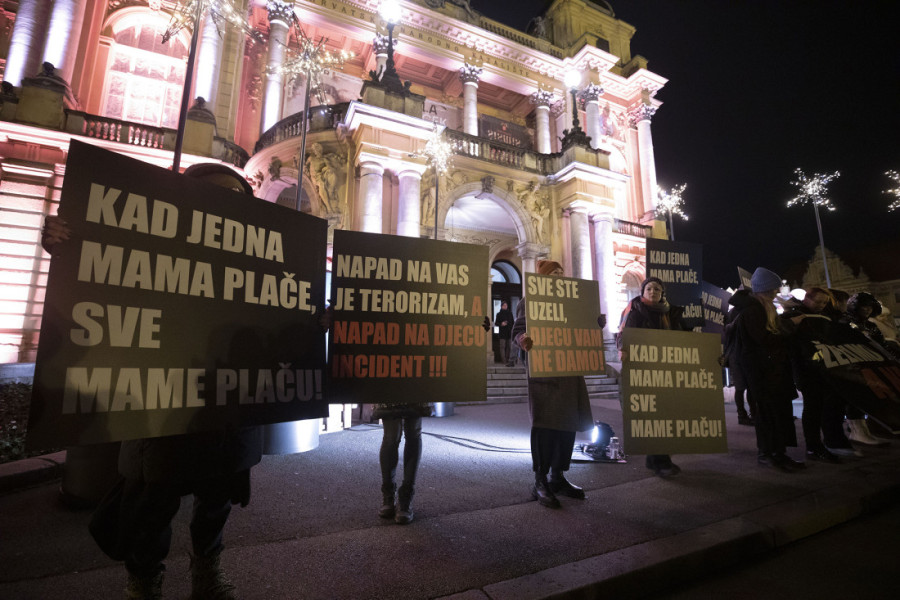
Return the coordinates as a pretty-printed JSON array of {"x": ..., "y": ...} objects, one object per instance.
[{"x": 470, "y": 73}]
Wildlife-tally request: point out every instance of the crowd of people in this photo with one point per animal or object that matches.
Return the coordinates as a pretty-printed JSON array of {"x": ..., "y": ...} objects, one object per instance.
[{"x": 766, "y": 353}]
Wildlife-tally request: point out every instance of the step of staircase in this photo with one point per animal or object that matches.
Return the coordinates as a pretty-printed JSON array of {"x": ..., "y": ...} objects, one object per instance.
[{"x": 509, "y": 385}]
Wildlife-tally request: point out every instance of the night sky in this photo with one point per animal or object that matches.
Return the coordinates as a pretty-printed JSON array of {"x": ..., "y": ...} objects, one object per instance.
[{"x": 756, "y": 89}]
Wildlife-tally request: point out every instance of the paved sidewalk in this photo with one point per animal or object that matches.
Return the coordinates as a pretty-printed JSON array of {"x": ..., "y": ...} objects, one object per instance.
[{"x": 312, "y": 530}]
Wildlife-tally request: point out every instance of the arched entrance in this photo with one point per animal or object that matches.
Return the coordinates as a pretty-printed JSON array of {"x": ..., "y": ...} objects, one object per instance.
[{"x": 495, "y": 219}]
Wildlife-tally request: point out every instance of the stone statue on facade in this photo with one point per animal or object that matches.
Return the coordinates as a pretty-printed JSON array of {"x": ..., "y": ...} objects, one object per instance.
[
  {"x": 447, "y": 183},
  {"x": 327, "y": 171},
  {"x": 538, "y": 206}
]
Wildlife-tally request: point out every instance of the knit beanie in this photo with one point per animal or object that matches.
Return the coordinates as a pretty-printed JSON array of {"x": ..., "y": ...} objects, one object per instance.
[
  {"x": 650, "y": 280},
  {"x": 545, "y": 267},
  {"x": 764, "y": 280}
]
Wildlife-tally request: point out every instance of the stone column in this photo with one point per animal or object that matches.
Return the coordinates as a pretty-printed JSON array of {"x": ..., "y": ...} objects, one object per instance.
[
  {"x": 27, "y": 39},
  {"x": 279, "y": 18},
  {"x": 591, "y": 95},
  {"x": 469, "y": 75},
  {"x": 582, "y": 264},
  {"x": 530, "y": 253},
  {"x": 63, "y": 34},
  {"x": 640, "y": 119},
  {"x": 604, "y": 257},
  {"x": 380, "y": 48},
  {"x": 208, "y": 58},
  {"x": 542, "y": 99},
  {"x": 409, "y": 203},
  {"x": 371, "y": 191}
]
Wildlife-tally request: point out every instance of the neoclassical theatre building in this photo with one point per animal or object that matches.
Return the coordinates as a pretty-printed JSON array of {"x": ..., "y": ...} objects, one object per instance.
[{"x": 526, "y": 180}]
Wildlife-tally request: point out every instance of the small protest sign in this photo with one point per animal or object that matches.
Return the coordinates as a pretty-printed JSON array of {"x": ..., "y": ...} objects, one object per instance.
[
  {"x": 680, "y": 267},
  {"x": 672, "y": 400},
  {"x": 561, "y": 319},
  {"x": 715, "y": 307},
  {"x": 175, "y": 306},
  {"x": 408, "y": 317}
]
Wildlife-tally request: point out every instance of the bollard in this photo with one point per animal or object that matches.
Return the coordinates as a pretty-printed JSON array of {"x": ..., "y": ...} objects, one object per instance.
[
  {"x": 291, "y": 437},
  {"x": 443, "y": 409}
]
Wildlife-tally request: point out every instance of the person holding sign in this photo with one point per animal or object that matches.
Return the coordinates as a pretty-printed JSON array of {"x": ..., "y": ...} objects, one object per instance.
[
  {"x": 398, "y": 421},
  {"x": 651, "y": 310},
  {"x": 762, "y": 349},
  {"x": 807, "y": 374},
  {"x": 134, "y": 521},
  {"x": 559, "y": 408}
]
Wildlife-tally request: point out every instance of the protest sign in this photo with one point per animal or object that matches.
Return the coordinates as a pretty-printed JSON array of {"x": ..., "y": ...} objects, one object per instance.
[
  {"x": 859, "y": 371},
  {"x": 408, "y": 317},
  {"x": 715, "y": 307},
  {"x": 175, "y": 306},
  {"x": 561, "y": 319},
  {"x": 744, "y": 275},
  {"x": 672, "y": 400},
  {"x": 680, "y": 266}
]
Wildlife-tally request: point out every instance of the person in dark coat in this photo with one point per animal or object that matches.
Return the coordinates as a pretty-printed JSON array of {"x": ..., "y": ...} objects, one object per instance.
[
  {"x": 861, "y": 307},
  {"x": 762, "y": 350},
  {"x": 651, "y": 310},
  {"x": 504, "y": 321},
  {"x": 745, "y": 415},
  {"x": 807, "y": 374},
  {"x": 559, "y": 407}
]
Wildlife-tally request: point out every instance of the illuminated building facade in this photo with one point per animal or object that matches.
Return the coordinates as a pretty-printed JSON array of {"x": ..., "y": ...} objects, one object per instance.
[{"x": 518, "y": 184}]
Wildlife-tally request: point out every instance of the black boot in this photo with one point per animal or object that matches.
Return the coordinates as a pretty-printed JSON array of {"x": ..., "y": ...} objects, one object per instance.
[
  {"x": 541, "y": 492},
  {"x": 144, "y": 587},
  {"x": 404, "y": 504},
  {"x": 387, "y": 503},
  {"x": 208, "y": 581},
  {"x": 562, "y": 486}
]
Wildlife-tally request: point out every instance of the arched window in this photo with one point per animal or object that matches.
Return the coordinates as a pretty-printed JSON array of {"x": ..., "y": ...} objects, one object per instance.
[{"x": 145, "y": 77}]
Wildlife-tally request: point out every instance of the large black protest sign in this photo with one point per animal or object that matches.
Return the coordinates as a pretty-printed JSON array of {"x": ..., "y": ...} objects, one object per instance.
[
  {"x": 561, "y": 319},
  {"x": 680, "y": 266},
  {"x": 407, "y": 323},
  {"x": 175, "y": 306},
  {"x": 859, "y": 371},
  {"x": 672, "y": 392}
]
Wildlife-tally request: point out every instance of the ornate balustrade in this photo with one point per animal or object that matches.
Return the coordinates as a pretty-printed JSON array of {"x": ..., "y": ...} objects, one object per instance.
[
  {"x": 635, "y": 229},
  {"x": 320, "y": 118}
]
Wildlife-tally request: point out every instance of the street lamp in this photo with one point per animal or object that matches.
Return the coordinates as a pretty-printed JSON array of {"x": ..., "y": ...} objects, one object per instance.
[
  {"x": 389, "y": 10},
  {"x": 313, "y": 60},
  {"x": 189, "y": 14},
  {"x": 572, "y": 79},
  {"x": 813, "y": 191},
  {"x": 438, "y": 155},
  {"x": 671, "y": 203}
]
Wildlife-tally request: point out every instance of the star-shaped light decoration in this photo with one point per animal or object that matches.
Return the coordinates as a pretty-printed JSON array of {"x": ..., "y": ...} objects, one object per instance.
[
  {"x": 813, "y": 189},
  {"x": 895, "y": 192},
  {"x": 222, "y": 11},
  {"x": 438, "y": 152},
  {"x": 311, "y": 59},
  {"x": 671, "y": 202}
]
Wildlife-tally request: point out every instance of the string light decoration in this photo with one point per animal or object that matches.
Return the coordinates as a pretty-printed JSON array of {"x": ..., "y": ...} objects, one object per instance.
[
  {"x": 669, "y": 204},
  {"x": 813, "y": 190},
  {"x": 223, "y": 12},
  {"x": 895, "y": 176},
  {"x": 190, "y": 14},
  {"x": 312, "y": 60},
  {"x": 438, "y": 154}
]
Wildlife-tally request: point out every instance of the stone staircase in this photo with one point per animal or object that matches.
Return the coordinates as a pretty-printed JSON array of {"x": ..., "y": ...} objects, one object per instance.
[{"x": 509, "y": 385}]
